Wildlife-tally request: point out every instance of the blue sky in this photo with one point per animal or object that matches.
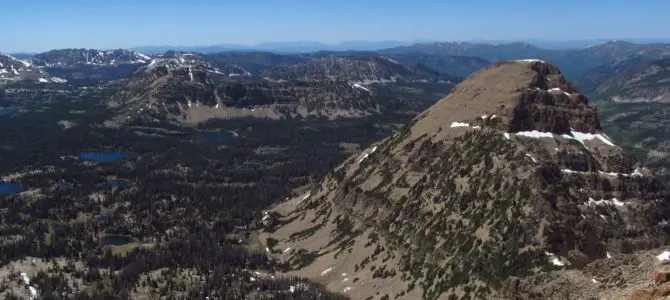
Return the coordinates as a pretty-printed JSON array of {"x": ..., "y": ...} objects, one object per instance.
[{"x": 38, "y": 25}]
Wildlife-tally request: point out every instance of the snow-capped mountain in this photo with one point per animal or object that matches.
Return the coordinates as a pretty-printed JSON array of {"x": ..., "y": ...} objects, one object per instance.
[
  {"x": 13, "y": 70},
  {"x": 76, "y": 57}
]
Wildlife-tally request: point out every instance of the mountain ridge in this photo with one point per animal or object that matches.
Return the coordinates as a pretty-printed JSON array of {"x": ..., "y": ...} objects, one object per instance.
[
  {"x": 638, "y": 80},
  {"x": 183, "y": 88},
  {"x": 72, "y": 57},
  {"x": 14, "y": 70},
  {"x": 357, "y": 69}
]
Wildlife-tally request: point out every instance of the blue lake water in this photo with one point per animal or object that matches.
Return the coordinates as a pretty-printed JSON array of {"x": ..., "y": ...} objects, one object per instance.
[
  {"x": 113, "y": 183},
  {"x": 57, "y": 227},
  {"x": 116, "y": 240},
  {"x": 64, "y": 187},
  {"x": 103, "y": 157},
  {"x": 8, "y": 188},
  {"x": 103, "y": 217},
  {"x": 6, "y": 111}
]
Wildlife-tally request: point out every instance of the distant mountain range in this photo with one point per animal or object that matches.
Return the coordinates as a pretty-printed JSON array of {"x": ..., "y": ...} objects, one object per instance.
[
  {"x": 313, "y": 46},
  {"x": 281, "y": 47}
]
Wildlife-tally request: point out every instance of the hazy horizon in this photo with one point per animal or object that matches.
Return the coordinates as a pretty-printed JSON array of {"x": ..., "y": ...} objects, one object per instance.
[{"x": 41, "y": 25}]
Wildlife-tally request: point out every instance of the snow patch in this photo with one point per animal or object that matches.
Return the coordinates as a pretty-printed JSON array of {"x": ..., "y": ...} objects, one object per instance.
[
  {"x": 560, "y": 90},
  {"x": 531, "y": 157},
  {"x": 530, "y": 60},
  {"x": 506, "y": 135},
  {"x": 535, "y": 134},
  {"x": 142, "y": 56},
  {"x": 581, "y": 137},
  {"x": 557, "y": 262},
  {"x": 358, "y": 85},
  {"x": 393, "y": 61},
  {"x": 608, "y": 255},
  {"x": 635, "y": 173},
  {"x": 346, "y": 289},
  {"x": 25, "y": 278},
  {"x": 665, "y": 256},
  {"x": 287, "y": 249},
  {"x": 574, "y": 135},
  {"x": 366, "y": 153},
  {"x": 459, "y": 124},
  {"x": 305, "y": 196},
  {"x": 613, "y": 201},
  {"x": 33, "y": 292},
  {"x": 326, "y": 271}
]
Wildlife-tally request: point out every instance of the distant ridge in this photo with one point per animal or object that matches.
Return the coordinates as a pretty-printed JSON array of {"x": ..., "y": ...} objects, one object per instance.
[{"x": 280, "y": 47}]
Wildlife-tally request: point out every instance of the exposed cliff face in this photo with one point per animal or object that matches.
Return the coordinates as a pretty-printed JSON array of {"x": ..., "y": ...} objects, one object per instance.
[{"x": 509, "y": 175}]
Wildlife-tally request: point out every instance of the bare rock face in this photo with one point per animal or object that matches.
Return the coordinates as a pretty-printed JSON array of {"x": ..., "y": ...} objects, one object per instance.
[{"x": 509, "y": 176}]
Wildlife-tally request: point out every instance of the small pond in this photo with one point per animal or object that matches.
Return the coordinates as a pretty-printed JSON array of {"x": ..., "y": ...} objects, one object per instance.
[
  {"x": 113, "y": 183},
  {"x": 104, "y": 217},
  {"x": 6, "y": 111},
  {"x": 116, "y": 240},
  {"x": 8, "y": 188},
  {"x": 57, "y": 227},
  {"x": 102, "y": 156}
]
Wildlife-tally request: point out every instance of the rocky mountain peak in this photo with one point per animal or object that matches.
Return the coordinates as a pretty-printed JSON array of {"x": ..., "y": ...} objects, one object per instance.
[
  {"x": 525, "y": 95},
  {"x": 509, "y": 175}
]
